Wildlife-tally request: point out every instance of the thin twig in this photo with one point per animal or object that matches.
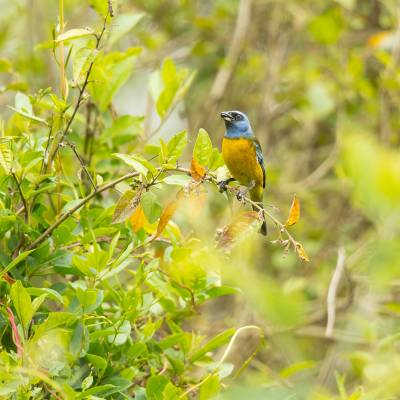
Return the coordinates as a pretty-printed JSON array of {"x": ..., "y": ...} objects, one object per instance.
[
  {"x": 332, "y": 291},
  {"x": 22, "y": 197},
  {"x": 110, "y": 8},
  {"x": 73, "y": 148}
]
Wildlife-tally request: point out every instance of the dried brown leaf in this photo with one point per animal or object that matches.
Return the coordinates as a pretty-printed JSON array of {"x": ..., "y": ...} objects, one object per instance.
[
  {"x": 239, "y": 225},
  {"x": 294, "y": 213}
]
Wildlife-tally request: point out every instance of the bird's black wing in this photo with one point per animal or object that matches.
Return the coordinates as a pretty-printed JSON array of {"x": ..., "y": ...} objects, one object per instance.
[{"x": 260, "y": 158}]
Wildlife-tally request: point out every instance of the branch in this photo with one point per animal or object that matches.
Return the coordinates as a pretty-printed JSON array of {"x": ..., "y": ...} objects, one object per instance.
[
  {"x": 332, "y": 291},
  {"x": 85, "y": 200}
]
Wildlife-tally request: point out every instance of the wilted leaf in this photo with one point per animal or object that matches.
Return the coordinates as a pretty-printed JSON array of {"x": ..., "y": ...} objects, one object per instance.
[
  {"x": 241, "y": 225},
  {"x": 166, "y": 216},
  {"x": 138, "y": 219},
  {"x": 301, "y": 252},
  {"x": 197, "y": 171},
  {"x": 294, "y": 213},
  {"x": 126, "y": 205}
]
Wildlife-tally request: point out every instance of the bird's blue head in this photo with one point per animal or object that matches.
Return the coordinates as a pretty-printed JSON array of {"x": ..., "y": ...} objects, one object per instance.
[{"x": 237, "y": 125}]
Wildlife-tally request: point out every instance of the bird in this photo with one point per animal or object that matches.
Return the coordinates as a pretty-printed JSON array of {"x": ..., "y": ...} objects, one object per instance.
[{"x": 243, "y": 157}]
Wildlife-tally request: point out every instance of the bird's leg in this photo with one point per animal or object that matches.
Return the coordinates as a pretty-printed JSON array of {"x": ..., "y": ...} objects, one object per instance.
[
  {"x": 223, "y": 184},
  {"x": 242, "y": 192}
]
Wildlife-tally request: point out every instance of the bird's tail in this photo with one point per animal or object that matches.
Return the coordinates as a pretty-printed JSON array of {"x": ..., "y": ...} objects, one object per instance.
[{"x": 263, "y": 229}]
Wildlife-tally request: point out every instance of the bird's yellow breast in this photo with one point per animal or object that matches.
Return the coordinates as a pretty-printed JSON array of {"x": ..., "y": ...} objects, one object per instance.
[{"x": 241, "y": 159}]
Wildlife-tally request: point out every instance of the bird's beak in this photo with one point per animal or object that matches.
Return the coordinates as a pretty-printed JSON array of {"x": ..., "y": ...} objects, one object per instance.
[{"x": 226, "y": 116}]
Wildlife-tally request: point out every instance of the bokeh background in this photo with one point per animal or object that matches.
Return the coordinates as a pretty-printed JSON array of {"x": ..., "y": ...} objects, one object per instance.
[{"x": 320, "y": 82}]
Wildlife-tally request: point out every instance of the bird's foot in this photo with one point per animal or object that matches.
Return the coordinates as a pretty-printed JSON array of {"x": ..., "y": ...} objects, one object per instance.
[
  {"x": 241, "y": 194},
  {"x": 224, "y": 184}
]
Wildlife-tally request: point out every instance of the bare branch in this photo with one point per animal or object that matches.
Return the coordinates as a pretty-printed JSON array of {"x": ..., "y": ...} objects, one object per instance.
[{"x": 332, "y": 291}]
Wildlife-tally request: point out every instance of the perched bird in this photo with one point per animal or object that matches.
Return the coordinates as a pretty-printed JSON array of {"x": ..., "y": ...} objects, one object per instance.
[{"x": 243, "y": 156}]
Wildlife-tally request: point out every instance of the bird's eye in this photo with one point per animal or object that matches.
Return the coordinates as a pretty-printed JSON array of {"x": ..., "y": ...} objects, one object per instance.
[{"x": 236, "y": 116}]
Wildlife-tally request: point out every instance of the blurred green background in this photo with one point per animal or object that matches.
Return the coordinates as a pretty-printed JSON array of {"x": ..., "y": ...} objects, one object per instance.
[{"x": 320, "y": 82}]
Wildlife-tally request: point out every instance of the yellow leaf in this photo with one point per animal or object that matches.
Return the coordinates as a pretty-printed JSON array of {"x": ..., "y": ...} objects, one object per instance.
[
  {"x": 138, "y": 219},
  {"x": 294, "y": 213},
  {"x": 197, "y": 171},
  {"x": 166, "y": 216},
  {"x": 301, "y": 252}
]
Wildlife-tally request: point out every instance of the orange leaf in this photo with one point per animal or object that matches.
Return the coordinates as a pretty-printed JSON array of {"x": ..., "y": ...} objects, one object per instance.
[
  {"x": 166, "y": 216},
  {"x": 294, "y": 213},
  {"x": 301, "y": 252},
  {"x": 197, "y": 171},
  {"x": 138, "y": 219}
]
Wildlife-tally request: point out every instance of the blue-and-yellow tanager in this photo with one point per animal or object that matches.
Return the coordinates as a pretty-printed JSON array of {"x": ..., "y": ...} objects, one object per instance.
[{"x": 243, "y": 156}]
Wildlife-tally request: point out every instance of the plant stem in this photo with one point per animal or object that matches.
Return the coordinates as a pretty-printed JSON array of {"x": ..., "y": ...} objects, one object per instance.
[{"x": 62, "y": 62}]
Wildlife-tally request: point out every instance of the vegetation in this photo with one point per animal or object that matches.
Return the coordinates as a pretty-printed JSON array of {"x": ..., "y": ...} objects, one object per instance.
[{"x": 126, "y": 273}]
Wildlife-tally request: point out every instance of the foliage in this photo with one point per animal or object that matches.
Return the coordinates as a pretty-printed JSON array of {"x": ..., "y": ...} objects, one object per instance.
[{"x": 125, "y": 273}]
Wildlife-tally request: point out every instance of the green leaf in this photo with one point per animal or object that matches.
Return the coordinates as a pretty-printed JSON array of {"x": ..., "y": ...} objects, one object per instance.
[
  {"x": 295, "y": 368},
  {"x": 203, "y": 148},
  {"x": 16, "y": 261},
  {"x": 89, "y": 299},
  {"x": 176, "y": 145},
  {"x": 218, "y": 341},
  {"x": 138, "y": 163},
  {"x": 179, "y": 180},
  {"x": 155, "y": 387},
  {"x": 74, "y": 34},
  {"x": 23, "y": 107},
  {"x": 109, "y": 73},
  {"x": 122, "y": 130},
  {"x": 169, "y": 85},
  {"x": 98, "y": 362},
  {"x": 210, "y": 388},
  {"x": 22, "y": 304},
  {"x": 121, "y": 25},
  {"x": 81, "y": 60},
  {"x": 121, "y": 335},
  {"x": 151, "y": 207},
  {"x": 53, "y": 294}
]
